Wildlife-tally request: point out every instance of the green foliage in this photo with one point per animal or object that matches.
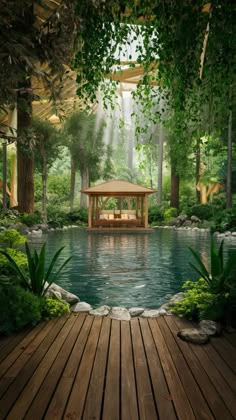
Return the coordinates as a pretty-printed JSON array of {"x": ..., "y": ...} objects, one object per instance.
[
  {"x": 5, "y": 265},
  {"x": 56, "y": 217},
  {"x": 58, "y": 188},
  {"x": 31, "y": 219},
  {"x": 170, "y": 213},
  {"x": 38, "y": 277},
  {"x": 155, "y": 214},
  {"x": 78, "y": 215},
  {"x": 51, "y": 308},
  {"x": 224, "y": 220},
  {"x": 18, "y": 308},
  {"x": 47, "y": 144},
  {"x": 11, "y": 238},
  {"x": 202, "y": 211},
  {"x": 213, "y": 296}
]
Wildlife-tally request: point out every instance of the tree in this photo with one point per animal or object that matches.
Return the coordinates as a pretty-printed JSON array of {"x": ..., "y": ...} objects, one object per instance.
[
  {"x": 86, "y": 147},
  {"x": 25, "y": 45},
  {"x": 47, "y": 149}
]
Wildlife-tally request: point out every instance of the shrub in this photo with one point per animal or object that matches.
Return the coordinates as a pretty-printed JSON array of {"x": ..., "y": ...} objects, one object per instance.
[
  {"x": 37, "y": 278},
  {"x": 202, "y": 211},
  {"x": 224, "y": 219},
  {"x": 213, "y": 296},
  {"x": 155, "y": 214},
  {"x": 199, "y": 303},
  {"x": 31, "y": 219},
  {"x": 5, "y": 265},
  {"x": 77, "y": 215},
  {"x": 56, "y": 217},
  {"x": 18, "y": 308},
  {"x": 11, "y": 237},
  {"x": 169, "y": 213},
  {"x": 51, "y": 308}
]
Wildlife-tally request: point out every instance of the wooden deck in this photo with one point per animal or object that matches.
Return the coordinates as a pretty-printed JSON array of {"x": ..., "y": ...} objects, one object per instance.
[{"x": 81, "y": 367}]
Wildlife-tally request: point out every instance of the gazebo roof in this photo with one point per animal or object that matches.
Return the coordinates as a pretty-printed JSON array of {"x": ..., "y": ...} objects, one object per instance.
[{"x": 118, "y": 187}]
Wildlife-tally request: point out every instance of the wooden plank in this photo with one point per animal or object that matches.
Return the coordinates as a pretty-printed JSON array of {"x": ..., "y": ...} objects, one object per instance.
[
  {"x": 25, "y": 399},
  {"x": 231, "y": 338},
  {"x": 219, "y": 382},
  {"x": 19, "y": 383},
  {"x": 44, "y": 394},
  {"x": 129, "y": 405},
  {"x": 196, "y": 399},
  {"x": 177, "y": 392},
  {"x": 60, "y": 397},
  {"x": 226, "y": 351},
  {"x": 16, "y": 367},
  {"x": 214, "y": 399},
  {"x": 160, "y": 388},
  {"x": 75, "y": 405},
  {"x": 146, "y": 401},
  {"x": 111, "y": 407},
  {"x": 13, "y": 356},
  {"x": 13, "y": 342},
  {"x": 93, "y": 404},
  {"x": 222, "y": 367}
]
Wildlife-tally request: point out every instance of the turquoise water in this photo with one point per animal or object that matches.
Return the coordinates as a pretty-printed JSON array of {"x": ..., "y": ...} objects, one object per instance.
[{"x": 127, "y": 269}]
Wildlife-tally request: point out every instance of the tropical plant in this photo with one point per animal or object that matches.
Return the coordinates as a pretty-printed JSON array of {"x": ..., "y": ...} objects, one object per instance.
[
  {"x": 221, "y": 273},
  {"x": 213, "y": 295},
  {"x": 38, "y": 279}
]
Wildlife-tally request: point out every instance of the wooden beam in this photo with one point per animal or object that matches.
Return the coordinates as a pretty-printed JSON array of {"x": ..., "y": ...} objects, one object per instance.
[
  {"x": 90, "y": 212},
  {"x": 146, "y": 211}
]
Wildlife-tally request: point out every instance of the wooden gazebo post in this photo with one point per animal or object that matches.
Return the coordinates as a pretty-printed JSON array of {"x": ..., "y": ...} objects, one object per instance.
[{"x": 146, "y": 210}]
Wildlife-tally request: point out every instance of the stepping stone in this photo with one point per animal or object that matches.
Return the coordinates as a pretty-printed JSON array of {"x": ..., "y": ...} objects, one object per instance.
[
  {"x": 136, "y": 311},
  {"x": 192, "y": 335},
  {"x": 101, "y": 311},
  {"x": 120, "y": 313},
  {"x": 81, "y": 307}
]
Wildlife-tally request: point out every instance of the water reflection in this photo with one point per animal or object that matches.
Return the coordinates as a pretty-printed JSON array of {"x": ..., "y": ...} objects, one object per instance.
[{"x": 127, "y": 269}]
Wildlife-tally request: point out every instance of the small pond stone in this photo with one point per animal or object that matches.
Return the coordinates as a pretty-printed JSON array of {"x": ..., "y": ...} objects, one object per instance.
[
  {"x": 192, "y": 335},
  {"x": 136, "y": 311},
  {"x": 120, "y": 313},
  {"x": 151, "y": 313},
  {"x": 81, "y": 307},
  {"x": 210, "y": 327},
  {"x": 67, "y": 296},
  {"x": 233, "y": 233},
  {"x": 101, "y": 311}
]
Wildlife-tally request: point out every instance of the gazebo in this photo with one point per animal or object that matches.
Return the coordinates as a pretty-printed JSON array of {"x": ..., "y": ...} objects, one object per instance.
[{"x": 131, "y": 210}]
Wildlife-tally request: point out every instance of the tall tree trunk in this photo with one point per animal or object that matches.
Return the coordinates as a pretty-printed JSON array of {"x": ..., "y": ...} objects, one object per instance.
[
  {"x": 197, "y": 169},
  {"x": 72, "y": 182},
  {"x": 44, "y": 179},
  {"x": 229, "y": 163},
  {"x": 84, "y": 185},
  {"x": 4, "y": 176},
  {"x": 13, "y": 197},
  {"x": 174, "y": 198},
  {"x": 25, "y": 157},
  {"x": 160, "y": 165}
]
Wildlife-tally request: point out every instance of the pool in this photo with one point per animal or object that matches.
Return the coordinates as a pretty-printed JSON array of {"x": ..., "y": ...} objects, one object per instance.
[{"x": 127, "y": 269}]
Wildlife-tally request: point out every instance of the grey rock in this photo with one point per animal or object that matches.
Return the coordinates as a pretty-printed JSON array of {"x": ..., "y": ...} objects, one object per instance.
[
  {"x": 192, "y": 335},
  {"x": 187, "y": 223},
  {"x": 136, "y": 311},
  {"x": 233, "y": 233},
  {"x": 210, "y": 327},
  {"x": 67, "y": 296},
  {"x": 53, "y": 294},
  {"x": 176, "y": 298},
  {"x": 195, "y": 219},
  {"x": 120, "y": 313},
  {"x": 151, "y": 313},
  {"x": 101, "y": 311},
  {"x": 228, "y": 233},
  {"x": 38, "y": 232},
  {"x": 81, "y": 307}
]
